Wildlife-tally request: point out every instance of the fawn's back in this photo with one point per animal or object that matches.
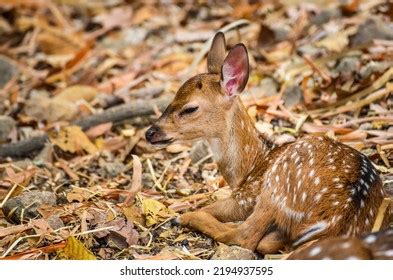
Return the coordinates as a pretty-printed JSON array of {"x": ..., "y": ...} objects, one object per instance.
[{"x": 317, "y": 186}]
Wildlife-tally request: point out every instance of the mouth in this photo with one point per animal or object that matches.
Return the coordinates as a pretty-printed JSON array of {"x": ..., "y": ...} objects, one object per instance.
[{"x": 164, "y": 142}]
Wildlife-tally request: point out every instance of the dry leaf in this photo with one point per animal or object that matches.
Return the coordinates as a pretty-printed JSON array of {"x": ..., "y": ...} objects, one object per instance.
[
  {"x": 122, "y": 233},
  {"x": 43, "y": 108},
  {"x": 155, "y": 211},
  {"x": 77, "y": 92},
  {"x": 136, "y": 179},
  {"x": 335, "y": 42},
  {"x": 75, "y": 250},
  {"x": 120, "y": 16},
  {"x": 72, "y": 139},
  {"x": 98, "y": 130},
  {"x": 53, "y": 44}
]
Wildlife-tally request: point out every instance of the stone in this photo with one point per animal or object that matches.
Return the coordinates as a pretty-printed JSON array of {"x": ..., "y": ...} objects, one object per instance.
[
  {"x": 198, "y": 151},
  {"x": 225, "y": 252},
  {"x": 293, "y": 95},
  {"x": 7, "y": 71},
  {"x": 7, "y": 124},
  {"x": 372, "y": 29},
  {"x": 55, "y": 222},
  {"x": 24, "y": 206},
  {"x": 112, "y": 169}
]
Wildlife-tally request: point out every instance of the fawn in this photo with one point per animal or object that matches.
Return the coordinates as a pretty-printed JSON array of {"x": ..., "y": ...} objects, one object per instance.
[
  {"x": 286, "y": 195},
  {"x": 377, "y": 246}
]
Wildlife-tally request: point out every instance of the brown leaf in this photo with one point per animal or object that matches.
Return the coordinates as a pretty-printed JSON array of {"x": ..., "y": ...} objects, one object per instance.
[
  {"x": 77, "y": 92},
  {"x": 117, "y": 17},
  {"x": 98, "y": 130},
  {"x": 136, "y": 179},
  {"x": 72, "y": 139}
]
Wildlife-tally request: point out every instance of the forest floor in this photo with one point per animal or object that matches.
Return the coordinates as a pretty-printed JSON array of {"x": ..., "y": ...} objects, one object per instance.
[{"x": 80, "y": 82}]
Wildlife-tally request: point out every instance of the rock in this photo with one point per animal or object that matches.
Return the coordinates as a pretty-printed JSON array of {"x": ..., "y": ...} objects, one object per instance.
[
  {"x": 7, "y": 124},
  {"x": 24, "y": 206},
  {"x": 198, "y": 151},
  {"x": 112, "y": 169},
  {"x": 225, "y": 252},
  {"x": 7, "y": 71},
  {"x": 55, "y": 222},
  {"x": 346, "y": 67},
  {"x": 293, "y": 95},
  {"x": 43, "y": 108},
  {"x": 325, "y": 16},
  {"x": 372, "y": 29}
]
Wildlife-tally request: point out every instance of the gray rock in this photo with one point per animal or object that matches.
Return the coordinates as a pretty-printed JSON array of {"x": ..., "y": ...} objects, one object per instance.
[
  {"x": 112, "y": 169},
  {"x": 325, "y": 16},
  {"x": 372, "y": 29},
  {"x": 347, "y": 65},
  {"x": 24, "y": 207},
  {"x": 7, "y": 70},
  {"x": 293, "y": 95},
  {"x": 55, "y": 222},
  {"x": 225, "y": 252},
  {"x": 198, "y": 151},
  {"x": 7, "y": 124}
]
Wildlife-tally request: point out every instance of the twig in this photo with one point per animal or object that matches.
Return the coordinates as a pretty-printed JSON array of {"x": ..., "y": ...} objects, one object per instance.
[{"x": 115, "y": 114}]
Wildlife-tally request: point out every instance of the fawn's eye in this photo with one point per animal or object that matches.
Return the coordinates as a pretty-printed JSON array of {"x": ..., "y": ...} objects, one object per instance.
[{"x": 188, "y": 111}]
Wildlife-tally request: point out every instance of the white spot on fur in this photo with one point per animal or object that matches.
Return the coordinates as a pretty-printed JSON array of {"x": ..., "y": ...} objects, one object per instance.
[{"x": 314, "y": 251}]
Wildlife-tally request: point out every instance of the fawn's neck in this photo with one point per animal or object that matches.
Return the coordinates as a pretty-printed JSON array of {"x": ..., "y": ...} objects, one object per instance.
[{"x": 238, "y": 145}]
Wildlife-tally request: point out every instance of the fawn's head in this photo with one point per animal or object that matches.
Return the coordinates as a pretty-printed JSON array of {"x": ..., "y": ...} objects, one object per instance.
[{"x": 201, "y": 106}]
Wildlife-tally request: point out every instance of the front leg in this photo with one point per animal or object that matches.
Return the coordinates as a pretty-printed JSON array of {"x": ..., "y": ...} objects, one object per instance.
[
  {"x": 246, "y": 235},
  {"x": 205, "y": 223},
  {"x": 227, "y": 210},
  {"x": 249, "y": 233}
]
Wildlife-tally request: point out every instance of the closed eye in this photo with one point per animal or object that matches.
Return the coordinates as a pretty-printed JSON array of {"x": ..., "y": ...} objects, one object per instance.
[{"x": 188, "y": 111}]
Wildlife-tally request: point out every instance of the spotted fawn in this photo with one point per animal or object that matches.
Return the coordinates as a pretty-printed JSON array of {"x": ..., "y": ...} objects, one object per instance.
[
  {"x": 286, "y": 195},
  {"x": 372, "y": 246}
]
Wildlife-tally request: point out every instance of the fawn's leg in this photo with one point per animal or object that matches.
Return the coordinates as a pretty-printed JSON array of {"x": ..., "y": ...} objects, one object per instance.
[
  {"x": 272, "y": 243},
  {"x": 226, "y": 210},
  {"x": 246, "y": 235},
  {"x": 205, "y": 223},
  {"x": 251, "y": 231}
]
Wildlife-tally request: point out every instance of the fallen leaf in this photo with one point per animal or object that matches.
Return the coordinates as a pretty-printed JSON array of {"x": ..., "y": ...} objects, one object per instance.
[
  {"x": 122, "y": 232},
  {"x": 136, "y": 185},
  {"x": 336, "y": 42},
  {"x": 77, "y": 92},
  {"x": 75, "y": 250},
  {"x": 117, "y": 17},
  {"x": 98, "y": 130},
  {"x": 155, "y": 211},
  {"x": 72, "y": 139}
]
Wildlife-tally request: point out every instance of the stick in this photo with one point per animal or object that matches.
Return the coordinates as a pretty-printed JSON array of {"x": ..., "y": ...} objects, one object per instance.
[{"x": 115, "y": 115}]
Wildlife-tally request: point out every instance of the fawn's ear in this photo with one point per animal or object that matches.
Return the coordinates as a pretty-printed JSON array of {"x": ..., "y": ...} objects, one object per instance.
[
  {"x": 235, "y": 70},
  {"x": 216, "y": 55}
]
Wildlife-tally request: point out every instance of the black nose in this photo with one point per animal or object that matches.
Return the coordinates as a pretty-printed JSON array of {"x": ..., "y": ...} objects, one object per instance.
[{"x": 150, "y": 133}]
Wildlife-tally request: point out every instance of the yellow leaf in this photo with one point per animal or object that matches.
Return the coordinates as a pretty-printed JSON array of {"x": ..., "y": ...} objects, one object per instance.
[
  {"x": 335, "y": 42},
  {"x": 75, "y": 250},
  {"x": 155, "y": 211},
  {"x": 72, "y": 139},
  {"x": 77, "y": 92}
]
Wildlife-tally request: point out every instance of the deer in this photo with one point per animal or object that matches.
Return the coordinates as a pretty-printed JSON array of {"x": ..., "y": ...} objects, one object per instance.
[
  {"x": 371, "y": 246},
  {"x": 283, "y": 195}
]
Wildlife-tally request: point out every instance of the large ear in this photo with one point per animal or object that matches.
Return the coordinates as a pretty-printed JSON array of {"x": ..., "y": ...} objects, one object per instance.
[
  {"x": 216, "y": 55},
  {"x": 235, "y": 70}
]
